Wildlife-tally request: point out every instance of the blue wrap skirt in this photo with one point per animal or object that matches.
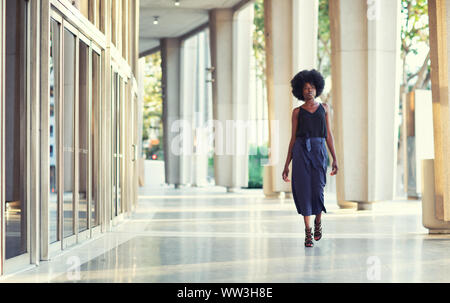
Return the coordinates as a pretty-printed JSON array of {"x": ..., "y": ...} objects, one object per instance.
[{"x": 309, "y": 174}]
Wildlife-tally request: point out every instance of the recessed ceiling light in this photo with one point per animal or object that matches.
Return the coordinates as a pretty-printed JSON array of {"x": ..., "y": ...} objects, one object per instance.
[{"x": 155, "y": 20}]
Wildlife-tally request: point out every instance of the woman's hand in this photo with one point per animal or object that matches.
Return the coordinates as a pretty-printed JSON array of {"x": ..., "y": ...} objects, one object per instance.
[
  {"x": 334, "y": 168},
  {"x": 285, "y": 174}
]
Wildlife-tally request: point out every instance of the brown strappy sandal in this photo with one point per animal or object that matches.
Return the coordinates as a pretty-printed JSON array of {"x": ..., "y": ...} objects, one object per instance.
[
  {"x": 308, "y": 238},
  {"x": 317, "y": 230}
]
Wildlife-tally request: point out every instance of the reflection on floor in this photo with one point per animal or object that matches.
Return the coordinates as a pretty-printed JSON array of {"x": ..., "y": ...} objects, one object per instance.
[{"x": 208, "y": 235}]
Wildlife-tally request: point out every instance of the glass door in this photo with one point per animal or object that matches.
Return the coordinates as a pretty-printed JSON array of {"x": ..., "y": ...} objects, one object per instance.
[
  {"x": 116, "y": 138},
  {"x": 114, "y": 97},
  {"x": 54, "y": 135},
  {"x": 70, "y": 137},
  {"x": 83, "y": 135},
  {"x": 95, "y": 137},
  {"x": 16, "y": 155},
  {"x": 2, "y": 86},
  {"x": 120, "y": 162},
  {"x": 134, "y": 156}
]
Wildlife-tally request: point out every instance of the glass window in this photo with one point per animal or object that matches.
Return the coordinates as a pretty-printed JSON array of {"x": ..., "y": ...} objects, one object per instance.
[
  {"x": 113, "y": 22},
  {"x": 119, "y": 113},
  {"x": 16, "y": 129},
  {"x": 124, "y": 13},
  {"x": 53, "y": 206},
  {"x": 68, "y": 132},
  {"x": 83, "y": 6},
  {"x": 94, "y": 137},
  {"x": 114, "y": 143},
  {"x": 83, "y": 133},
  {"x": 101, "y": 21}
]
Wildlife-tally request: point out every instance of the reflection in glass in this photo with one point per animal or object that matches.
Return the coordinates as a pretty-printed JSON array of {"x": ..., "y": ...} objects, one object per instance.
[
  {"x": 53, "y": 206},
  {"x": 15, "y": 134},
  {"x": 114, "y": 143},
  {"x": 119, "y": 148},
  {"x": 113, "y": 23},
  {"x": 83, "y": 134},
  {"x": 68, "y": 132},
  {"x": 135, "y": 136},
  {"x": 94, "y": 136},
  {"x": 116, "y": 137}
]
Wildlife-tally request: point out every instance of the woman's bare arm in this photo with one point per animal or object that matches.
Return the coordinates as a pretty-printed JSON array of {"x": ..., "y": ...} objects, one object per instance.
[
  {"x": 330, "y": 139},
  {"x": 293, "y": 134}
]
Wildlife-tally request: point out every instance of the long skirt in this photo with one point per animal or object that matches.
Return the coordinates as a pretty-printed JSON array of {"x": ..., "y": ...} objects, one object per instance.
[{"x": 309, "y": 171}]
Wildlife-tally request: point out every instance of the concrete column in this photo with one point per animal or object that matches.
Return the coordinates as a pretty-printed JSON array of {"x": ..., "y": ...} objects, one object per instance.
[
  {"x": 305, "y": 26},
  {"x": 439, "y": 14},
  {"x": 230, "y": 94},
  {"x": 170, "y": 56},
  {"x": 200, "y": 139},
  {"x": 418, "y": 120},
  {"x": 365, "y": 57},
  {"x": 194, "y": 160},
  {"x": 429, "y": 220},
  {"x": 291, "y": 44},
  {"x": 188, "y": 90},
  {"x": 242, "y": 50}
]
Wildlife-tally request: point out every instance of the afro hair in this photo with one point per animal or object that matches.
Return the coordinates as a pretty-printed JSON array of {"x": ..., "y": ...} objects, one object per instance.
[{"x": 307, "y": 76}]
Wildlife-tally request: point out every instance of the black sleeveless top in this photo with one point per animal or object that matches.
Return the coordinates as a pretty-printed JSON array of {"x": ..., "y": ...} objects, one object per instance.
[{"x": 312, "y": 124}]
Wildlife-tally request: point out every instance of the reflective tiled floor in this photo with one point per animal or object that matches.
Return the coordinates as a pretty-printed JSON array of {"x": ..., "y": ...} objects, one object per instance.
[{"x": 208, "y": 235}]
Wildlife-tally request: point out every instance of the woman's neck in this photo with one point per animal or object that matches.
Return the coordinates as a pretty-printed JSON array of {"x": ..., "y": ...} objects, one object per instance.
[{"x": 310, "y": 101}]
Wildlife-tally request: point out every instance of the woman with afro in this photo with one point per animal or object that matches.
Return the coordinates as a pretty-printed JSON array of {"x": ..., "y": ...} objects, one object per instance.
[{"x": 310, "y": 131}]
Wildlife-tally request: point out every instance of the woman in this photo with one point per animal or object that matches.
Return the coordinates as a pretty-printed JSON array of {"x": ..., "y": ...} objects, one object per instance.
[{"x": 310, "y": 130}]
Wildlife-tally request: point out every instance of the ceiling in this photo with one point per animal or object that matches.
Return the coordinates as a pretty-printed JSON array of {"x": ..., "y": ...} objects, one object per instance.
[{"x": 174, "y": 21}]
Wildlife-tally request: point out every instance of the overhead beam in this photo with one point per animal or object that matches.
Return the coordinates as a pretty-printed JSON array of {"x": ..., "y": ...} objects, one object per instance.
[{"x": 150, "y": 51}]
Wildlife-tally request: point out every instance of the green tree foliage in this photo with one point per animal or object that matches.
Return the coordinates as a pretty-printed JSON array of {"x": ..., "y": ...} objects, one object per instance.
[
  {"x": 259, "y": 44},
  {"x": 324, "y": 46},
  {"x": 256, "y": 159},
  {"x": 415, "y": 30},
  {"x": 255, "y": 168},
  {"x": 152, "y": 100},
  {"x": 324, "y": 40}
]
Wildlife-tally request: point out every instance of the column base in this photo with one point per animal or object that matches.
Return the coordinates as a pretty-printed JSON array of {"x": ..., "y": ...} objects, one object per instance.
[
  {"x": 274, "y": 195},
  {"x": 413, "y": 197},
  {"x": 438, "y": 231},
  {"x": 267, "y": 182},
  {"x": 346, "y": 204},
  {"x": 429, "y": 220},
  {"x": 364, "y": 206},
  {"x": 232, "y": 189}
]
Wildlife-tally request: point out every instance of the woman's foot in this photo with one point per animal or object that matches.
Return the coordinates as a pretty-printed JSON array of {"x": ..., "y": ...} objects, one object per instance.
[
  {"x": 317, "y": 230},
  {"x": 308, "y": 237}
]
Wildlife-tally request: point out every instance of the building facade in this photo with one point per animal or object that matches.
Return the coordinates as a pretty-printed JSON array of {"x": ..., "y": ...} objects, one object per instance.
[{"x": 68, "y": 117}]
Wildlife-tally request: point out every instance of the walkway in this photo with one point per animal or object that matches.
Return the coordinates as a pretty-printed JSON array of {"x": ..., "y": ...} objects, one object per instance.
[{"x": 207, "y": 235}]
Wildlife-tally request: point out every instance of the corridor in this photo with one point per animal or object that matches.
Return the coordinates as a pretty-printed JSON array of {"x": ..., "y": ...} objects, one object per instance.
[{"x": 208, "y": 235}]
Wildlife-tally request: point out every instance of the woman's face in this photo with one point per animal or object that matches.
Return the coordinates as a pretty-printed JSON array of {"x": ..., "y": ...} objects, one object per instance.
[{"x": 309, "y": 91}]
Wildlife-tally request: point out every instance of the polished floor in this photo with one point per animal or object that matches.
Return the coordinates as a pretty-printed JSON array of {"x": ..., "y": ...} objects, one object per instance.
[{"x": 208, "y": 235}]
